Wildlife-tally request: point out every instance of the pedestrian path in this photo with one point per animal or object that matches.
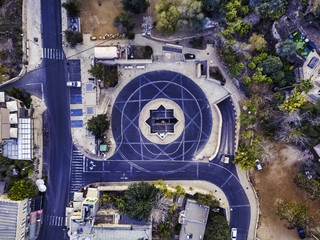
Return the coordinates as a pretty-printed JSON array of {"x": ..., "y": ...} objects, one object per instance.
[
  {"x": 77, "y": 168},
  {"x": 50, "y": 220},
  {"x": 52, "y": 53}
]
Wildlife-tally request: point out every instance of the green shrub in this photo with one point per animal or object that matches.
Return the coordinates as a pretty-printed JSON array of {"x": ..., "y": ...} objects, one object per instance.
[{"x": 251, "y": 65}]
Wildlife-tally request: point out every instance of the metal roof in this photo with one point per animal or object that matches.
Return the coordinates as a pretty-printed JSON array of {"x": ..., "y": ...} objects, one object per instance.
[
  {"x": 24, "y": 139},
  {"x": 8, "y": 219}
]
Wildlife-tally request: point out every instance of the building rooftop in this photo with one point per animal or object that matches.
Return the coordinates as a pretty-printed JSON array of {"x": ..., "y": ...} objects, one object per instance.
[
  {"x": 194, "y": 220},
  {"x": 5, "y": 124},
  {"x": 106, "y": 52},
  {"x": 12, "y": 215},
  {"x": 12, "y": 106}
]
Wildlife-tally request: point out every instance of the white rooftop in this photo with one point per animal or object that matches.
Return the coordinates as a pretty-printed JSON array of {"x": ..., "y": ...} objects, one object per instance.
[
  {"x": 107, "y": 52},
  {"x": 12, "y": 106},
  {"x": 2, "y": 97}
]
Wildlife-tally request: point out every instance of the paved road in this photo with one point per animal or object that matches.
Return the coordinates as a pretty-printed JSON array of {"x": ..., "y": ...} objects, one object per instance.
[
  {"x": 85, "y": 171},
  {"x": 59, "y": 143},
  {"x": 53, "y": 77}
]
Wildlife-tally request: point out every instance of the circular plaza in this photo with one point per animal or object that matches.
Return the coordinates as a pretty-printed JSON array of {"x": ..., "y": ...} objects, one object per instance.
[{"x": 161, "y": 115}]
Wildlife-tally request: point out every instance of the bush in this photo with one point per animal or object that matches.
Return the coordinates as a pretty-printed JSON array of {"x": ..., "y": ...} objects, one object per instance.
[
  {"x": 246, "y": 80},
  {"x": 72, "y": 7},
  {"x": 311, "y": 186},
  {"x": 135, "y": 6},
  {"x": 20, "y": 94},
  {"x": 251, "y": 65},
  {"x": 124, "y": 22},
  {"x": 217, "y": 227},
  {"x": 197, "y": 42},
  {"x": 207, "y": 200},
  {"x": 294, "y": 213},
  {"x": 73, "y": 38},
  {"x": 130, "y": 36},
  {"x": 22, "y": 189}
]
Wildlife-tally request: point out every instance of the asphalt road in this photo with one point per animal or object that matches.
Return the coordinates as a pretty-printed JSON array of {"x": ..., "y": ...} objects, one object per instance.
[
  {"x": 59, "y": 143},
  {"x": 49, "y": 82}
]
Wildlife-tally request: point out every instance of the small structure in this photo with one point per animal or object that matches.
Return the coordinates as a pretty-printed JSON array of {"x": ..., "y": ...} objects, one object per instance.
[
  {"x": 193, "y": 220},
  {"x": 106, "y": 52}
]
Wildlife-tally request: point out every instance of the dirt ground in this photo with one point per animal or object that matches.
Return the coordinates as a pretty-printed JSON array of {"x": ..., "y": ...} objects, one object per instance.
[
  {"x": 98, "y": 20},
  {"x": 274, "y": 183},
  {"x": 10, "y": 39}
]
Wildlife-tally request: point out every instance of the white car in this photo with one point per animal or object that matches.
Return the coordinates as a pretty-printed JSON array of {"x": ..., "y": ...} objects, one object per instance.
[
  {"x": 258, "y": 164},
  {"x": 233, "y": 233},
  {"x": 74, "y": 84}
]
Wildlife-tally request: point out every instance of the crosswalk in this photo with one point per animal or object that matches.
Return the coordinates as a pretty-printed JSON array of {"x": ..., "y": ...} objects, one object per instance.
[
  {"x": 77, "y": 169},
  {"x": 54, "y": 220},
  {"x": 52, "y": 53}
]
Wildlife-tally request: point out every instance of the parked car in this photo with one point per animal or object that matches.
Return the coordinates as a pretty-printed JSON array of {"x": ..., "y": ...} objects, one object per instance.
[
  {"x": 308, "y": 174},
  {"x": 189, "y": 56},
  {"x": 301, "y": 232},
  {"x": 234, "y": 233},
  {"x": 258, "y": 164},
  {"x": 74, "y": 84}
]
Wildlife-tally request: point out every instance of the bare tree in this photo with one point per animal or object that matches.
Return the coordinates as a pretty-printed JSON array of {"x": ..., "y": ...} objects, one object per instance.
[{"x": 160, "y": 208}]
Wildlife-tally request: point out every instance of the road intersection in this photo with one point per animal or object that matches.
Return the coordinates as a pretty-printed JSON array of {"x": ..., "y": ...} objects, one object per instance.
[{"x": 69, "y": 170}]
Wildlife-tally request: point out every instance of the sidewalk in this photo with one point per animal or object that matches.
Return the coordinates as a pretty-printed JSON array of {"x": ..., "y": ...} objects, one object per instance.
[
  {"x": 39, "y": 107},
  {"x": 32, "y": 34},
  {"x": 253, "y": 200}
]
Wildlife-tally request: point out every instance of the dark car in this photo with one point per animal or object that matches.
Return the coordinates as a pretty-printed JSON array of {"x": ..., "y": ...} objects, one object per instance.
[
  {"x": 189, "y": 56},
  {"x": 302, "y": 233}
]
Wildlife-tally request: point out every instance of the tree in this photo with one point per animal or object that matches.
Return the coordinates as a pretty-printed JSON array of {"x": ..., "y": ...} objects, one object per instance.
[
  {"x": 139, "y": 199},
  {"x": 246, "y": 157},
  {"x": 20, "y": 94},
  {"x": 294, "y": 213},
  {"x": 135, "y": 6},
  {"x": 251, "y": 65},
  {"x": 22, "y": 189},
  {"x": 293, "y": 103},
  {"x": 73, "y": 38},
  {"x": 190, "y": 14},
  {"x": 207, "y": 200},
  {"x": 258, "y": 77},
  {"x": 109, "y": 74},
  {"x": 167, "y": 19},
  {"x": 272, "y": 9},
  {"x": 197, "y": 42},
  {"x": 287, "y": 48},
  {"x": 217, "y": 227},
  {"x": 311, "y": 186},
  {"x": 72, "y": 7},
  {"x": 257, "y": 41},
  {"x": 164, "y": 229},
  {"x": 5, "y": 161},
  {"x": 271, "y": 65},
  {"x": 98, "y": 125},
  {"x": 124, "y": 22}
]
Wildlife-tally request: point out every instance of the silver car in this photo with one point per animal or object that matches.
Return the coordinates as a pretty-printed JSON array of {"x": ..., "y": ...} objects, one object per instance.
[
  {"x": 258, "y": 164},
  {"x": 74, "y": 84},
  {"x": 233, "y": 233}
]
